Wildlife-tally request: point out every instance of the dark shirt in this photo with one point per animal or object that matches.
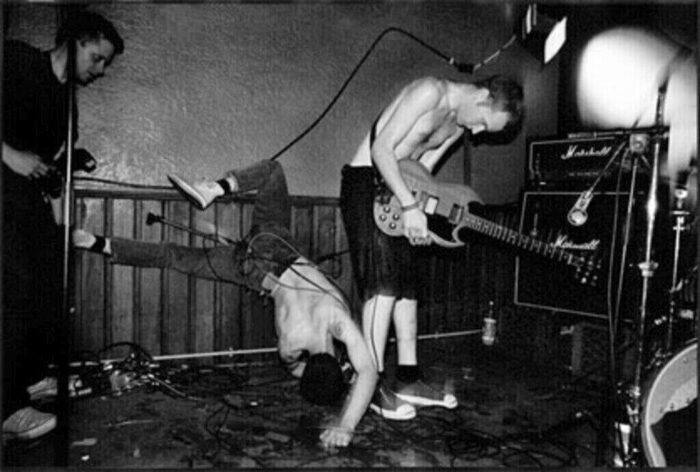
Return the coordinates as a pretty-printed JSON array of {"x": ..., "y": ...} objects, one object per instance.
[
  {"x": 34, "y": 119},
  {"x": 34, "y": 101}
]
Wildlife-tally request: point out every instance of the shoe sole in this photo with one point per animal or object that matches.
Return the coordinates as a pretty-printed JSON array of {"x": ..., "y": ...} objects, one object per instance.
[
  {"x": 448, "y": 401},
  {"x": 187, "y": 191},
  {"x": 394, "y": 415}
]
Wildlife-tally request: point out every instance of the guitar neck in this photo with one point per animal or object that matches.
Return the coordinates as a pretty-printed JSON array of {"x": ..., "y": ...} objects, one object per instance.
[{"x": 518, "y": 240}]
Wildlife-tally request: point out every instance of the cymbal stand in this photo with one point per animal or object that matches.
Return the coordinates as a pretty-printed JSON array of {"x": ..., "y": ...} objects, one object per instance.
[
  {"x": 631, "y": 454},
  {"x": 680, "y": 215}
]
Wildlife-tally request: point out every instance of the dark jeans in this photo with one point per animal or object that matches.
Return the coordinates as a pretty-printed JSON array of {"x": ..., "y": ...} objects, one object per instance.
[
  {"x": 32, "y": 256},
  {"x": 268, "y": 247}
]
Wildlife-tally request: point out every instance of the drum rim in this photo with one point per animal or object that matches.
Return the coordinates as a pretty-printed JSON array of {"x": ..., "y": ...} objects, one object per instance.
[{"x": 652, "y": 449}]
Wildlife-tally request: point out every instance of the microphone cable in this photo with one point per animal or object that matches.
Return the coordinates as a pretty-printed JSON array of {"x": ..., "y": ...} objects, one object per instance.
[{"x": 462, "y": 67}]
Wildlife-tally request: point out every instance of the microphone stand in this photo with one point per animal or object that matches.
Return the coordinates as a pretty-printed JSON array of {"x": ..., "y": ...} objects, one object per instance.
[
  {"x": 153, "y": 218},
  {"x": 647, "y": 267},
  {"x": 64, "y": 324},
  {"x": 679, "y": 214}
]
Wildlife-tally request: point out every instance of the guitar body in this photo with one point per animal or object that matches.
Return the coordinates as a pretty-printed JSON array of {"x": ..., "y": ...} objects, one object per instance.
[
  {"x": 448, "y": 200},
  {"x": 447, "y": 208}
]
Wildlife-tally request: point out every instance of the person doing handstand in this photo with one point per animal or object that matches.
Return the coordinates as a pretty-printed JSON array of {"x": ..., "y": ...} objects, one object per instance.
[{"x": 310, "y": 312}]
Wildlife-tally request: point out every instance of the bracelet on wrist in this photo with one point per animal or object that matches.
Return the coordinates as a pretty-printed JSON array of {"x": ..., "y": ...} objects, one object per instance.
[{"x": 413, "y": 206}]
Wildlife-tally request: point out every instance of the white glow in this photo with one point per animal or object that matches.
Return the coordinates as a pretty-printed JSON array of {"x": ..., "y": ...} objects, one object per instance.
[
  {"x": 555, "y": 40},
  {"x": 619, "y": 75}
]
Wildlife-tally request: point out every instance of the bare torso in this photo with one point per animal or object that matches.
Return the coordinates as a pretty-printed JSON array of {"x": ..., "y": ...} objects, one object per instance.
[
  {"x": 305, "y": 306},
  {"x": 427, "y": 132}
]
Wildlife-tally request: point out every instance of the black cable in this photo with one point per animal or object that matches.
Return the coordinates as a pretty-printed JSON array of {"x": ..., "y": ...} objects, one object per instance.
[{"x": 461, "y": 67}]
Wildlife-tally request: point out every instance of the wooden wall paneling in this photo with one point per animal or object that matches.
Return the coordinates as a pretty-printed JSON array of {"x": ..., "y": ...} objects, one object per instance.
[
  {"x": 109, "y": 276},
  {"x": 227, "y": 323},
  {"x": 89, "y": 325},
  {"x": 122, "y": 283},
  {"x": 148, "y": 313},
  {"x": 324, "y": 242},
  {"x": 460, "y": 282},
  {"x": 302, "y": 230},
  {"x": 341, "y": 266},
  {"x": 249, "y": 325},
  {"x": 177, "y": 285},
  {"x": 204, "y": 306}
]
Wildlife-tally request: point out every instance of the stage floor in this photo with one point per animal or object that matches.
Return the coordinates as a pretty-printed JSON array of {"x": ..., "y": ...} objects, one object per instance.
[{"x": 511, "y": 413}]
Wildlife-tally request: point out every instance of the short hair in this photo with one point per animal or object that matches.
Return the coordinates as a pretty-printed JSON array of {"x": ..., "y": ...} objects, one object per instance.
[
  {"x": 507, "y": 96},
  {"x": 322, "y": 381},
  {"x": 86, "y": 25}
]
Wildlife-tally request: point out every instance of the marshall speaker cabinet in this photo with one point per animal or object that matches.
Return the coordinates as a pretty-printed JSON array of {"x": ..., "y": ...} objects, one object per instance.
[{"x": 557, "y": 284}]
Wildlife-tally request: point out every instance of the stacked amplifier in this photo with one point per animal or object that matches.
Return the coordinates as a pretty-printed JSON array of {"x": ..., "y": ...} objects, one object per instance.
[
  {"x": 559, "y": 171},
  {"x": 575, "y": 163}
]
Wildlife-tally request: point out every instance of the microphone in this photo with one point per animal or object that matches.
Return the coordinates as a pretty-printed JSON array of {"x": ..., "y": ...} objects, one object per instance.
[
  {"x": 152, "y": 218},
  {"x": 578, "y": 215}
]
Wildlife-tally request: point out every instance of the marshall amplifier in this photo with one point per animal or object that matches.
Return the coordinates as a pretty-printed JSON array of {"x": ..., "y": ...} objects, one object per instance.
[
  {"x": 556, "y": 286},
  {"x": 573, "y": 164}
]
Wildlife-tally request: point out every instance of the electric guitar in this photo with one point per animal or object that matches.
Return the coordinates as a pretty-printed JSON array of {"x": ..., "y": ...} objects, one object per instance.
[{"x": 450, "y": 203}]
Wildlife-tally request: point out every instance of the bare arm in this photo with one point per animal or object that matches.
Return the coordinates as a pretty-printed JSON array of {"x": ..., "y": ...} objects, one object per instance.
[
  {"x": 24, "y": 163},
  {"x": 340, "y": 433},
  {"x": 417, "y": 99}
]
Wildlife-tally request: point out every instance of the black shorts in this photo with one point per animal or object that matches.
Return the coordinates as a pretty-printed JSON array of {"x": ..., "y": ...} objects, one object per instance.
[{"x": 382, "y": 264}]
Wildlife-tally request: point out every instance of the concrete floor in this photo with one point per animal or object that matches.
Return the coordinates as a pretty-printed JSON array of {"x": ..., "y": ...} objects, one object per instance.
[{"x": 511, "y": 414}]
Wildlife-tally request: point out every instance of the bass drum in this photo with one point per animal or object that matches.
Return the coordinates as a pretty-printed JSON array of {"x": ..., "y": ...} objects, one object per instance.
[{"x": 669, "y": 417}]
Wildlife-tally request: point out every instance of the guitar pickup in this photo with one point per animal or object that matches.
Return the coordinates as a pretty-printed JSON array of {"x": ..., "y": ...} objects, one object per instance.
[
  {"x": 456, "y": 214},
  {"x": 429, "y": 204}
]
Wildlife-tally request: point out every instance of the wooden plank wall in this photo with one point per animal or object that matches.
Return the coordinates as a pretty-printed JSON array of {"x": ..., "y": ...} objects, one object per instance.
[{"x": 166, "y": 312}]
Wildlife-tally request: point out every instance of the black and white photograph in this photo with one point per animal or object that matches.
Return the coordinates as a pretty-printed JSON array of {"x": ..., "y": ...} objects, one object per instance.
[{"x": 349, "y": 234}]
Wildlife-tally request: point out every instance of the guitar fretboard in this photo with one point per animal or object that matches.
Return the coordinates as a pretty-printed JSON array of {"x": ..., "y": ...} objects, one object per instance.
[{"x": 521, "y": 241}]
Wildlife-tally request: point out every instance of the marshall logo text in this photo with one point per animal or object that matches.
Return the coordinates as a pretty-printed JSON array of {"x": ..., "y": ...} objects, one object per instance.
[
  {"x": 575, "y": 151},
  {"x": 565, "y": 243}
]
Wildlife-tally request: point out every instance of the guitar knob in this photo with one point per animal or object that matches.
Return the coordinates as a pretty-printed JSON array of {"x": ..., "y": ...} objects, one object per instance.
[
  {"x": 392, "y": 225},
  {"x": 382, "y": 217},
  {"x": 396, "y": 216},
  {"x": 387, "y": 209}
]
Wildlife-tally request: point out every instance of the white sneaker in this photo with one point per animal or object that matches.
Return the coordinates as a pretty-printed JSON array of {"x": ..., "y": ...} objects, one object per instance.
[
  {"x": 386, "y": 404},
  {"x": 47, "y": 387},
  {"x": 200, "y": 194},
  {"x": 421, "y": 394},
  {"x": 28, "y": 423}
]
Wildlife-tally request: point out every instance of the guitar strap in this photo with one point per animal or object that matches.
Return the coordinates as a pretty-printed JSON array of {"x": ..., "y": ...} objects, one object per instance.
[{"x": 380, "y": 185}]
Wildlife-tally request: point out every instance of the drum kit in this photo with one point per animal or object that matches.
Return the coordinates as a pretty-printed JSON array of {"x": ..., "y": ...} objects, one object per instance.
[{"x": 657, "y": 408}]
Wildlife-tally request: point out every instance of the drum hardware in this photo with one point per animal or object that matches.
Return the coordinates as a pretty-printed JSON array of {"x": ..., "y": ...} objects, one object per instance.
[
  {"x": 680, "y": 214},
  {"x": 671, "y": 388},
  {"x": 647, "y": 267}
]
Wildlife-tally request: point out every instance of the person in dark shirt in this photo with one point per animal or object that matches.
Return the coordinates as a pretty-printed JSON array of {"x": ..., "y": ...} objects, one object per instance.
[{"x": 35, "y": 127}]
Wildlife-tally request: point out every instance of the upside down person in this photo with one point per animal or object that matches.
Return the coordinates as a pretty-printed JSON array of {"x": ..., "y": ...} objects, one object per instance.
[{"x": 310, "y": 312}]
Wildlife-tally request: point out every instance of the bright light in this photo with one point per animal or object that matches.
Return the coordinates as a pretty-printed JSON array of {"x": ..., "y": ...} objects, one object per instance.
[
  {"x": 555, "y": 40},
  {"x": 619, "y": 74}
]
